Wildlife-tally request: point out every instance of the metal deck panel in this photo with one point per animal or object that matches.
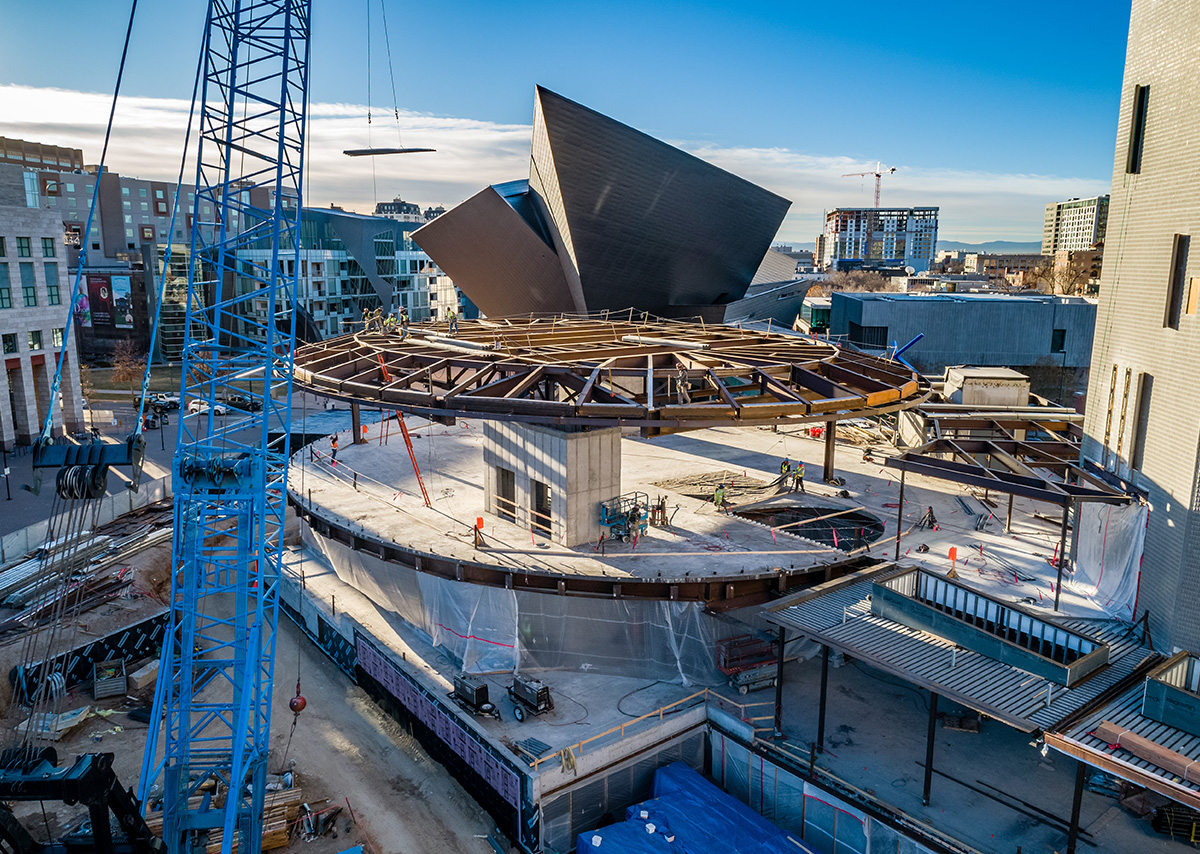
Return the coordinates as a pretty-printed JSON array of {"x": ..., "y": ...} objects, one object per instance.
[{"x": 839, "y": 615}]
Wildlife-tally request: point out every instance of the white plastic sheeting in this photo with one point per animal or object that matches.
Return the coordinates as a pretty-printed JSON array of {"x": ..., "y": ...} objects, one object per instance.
[
  {"x": 1108, "y": 554},
  {"x": 491, "y": 630}
]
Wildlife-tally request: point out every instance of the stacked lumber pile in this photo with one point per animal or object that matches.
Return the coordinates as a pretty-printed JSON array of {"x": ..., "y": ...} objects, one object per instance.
[
  {"x": 1186, "y": 769},
  {"x": 280, "y": 811}
]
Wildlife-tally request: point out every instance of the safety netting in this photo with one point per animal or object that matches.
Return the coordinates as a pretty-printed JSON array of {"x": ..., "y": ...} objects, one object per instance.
[
  {"x": 493, "y": 630},
  {"x": 1108, "y": 556}
]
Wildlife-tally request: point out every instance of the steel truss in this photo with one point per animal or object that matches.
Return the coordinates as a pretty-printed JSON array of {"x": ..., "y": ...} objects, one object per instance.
[
  {"x": 599, "y": 370},
  {"x": 213, "y": 705}
]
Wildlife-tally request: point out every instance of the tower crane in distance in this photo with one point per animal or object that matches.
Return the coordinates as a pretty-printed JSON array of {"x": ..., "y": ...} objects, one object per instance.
[{"x": 879, "y": 171}]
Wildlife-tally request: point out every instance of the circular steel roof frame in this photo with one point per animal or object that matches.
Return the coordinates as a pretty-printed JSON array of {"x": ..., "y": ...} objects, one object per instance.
[{"x": 606, "y": 370}]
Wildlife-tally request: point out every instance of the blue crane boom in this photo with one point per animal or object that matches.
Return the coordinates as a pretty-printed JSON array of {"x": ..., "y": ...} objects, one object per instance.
[{"x": 212, "y": 709}]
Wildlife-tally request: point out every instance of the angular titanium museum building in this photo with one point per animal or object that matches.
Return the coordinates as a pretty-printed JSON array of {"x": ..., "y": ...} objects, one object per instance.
[{"x": 609, "y": 218}]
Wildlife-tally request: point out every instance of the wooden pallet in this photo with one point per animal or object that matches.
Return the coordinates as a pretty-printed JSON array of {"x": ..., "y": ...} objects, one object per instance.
[{"x": 280, "y": 811}]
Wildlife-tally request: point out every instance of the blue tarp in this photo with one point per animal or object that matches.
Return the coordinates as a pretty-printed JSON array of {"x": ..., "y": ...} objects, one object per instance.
[{"x": 689, "y": 815}]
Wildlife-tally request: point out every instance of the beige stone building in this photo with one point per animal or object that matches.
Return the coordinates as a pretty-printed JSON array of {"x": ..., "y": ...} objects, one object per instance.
[{"x": 35, "y": 284}]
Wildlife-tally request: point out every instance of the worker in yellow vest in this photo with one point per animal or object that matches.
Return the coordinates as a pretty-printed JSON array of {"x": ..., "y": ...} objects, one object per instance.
[{"x": 798, "y": 477}]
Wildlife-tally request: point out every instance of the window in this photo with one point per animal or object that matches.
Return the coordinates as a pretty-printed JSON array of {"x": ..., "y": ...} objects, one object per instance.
[
  {"x": 147, "y": 232},
  {"x": 5, "y": 288},
  {"x": 24, "y": 248},
  {"x": 48, "y": 247},
  {"x": 50, "y": 185},
  {"x": 1137, "y": 129},
  {"x": 52, "y": 292},
  {"x": 868, "y": 336},
  {"x": 28, "y": 285},
  {"x": 56, "y": 337},
  {"x": 1058, "y": 341},
  {"x": 158, "y": 194},
  {"x": 35, "y": 340},
  {"x": 3, "y": 250},
  {"x": 1179, "y": 254},
  {"x": 160, "y": 208},
  {"x": 31, "y": 190},
  {"x": 1137, "y": 448},
  {"x": 142, "y": 192},
  {"x": 70, "y": 187},
  {"x": 124, "y": 191},
  {"x": 10, "y": 344}
]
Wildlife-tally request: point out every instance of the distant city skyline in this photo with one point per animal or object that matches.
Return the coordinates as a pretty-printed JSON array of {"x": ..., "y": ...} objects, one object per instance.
[{"x": 990, "y": 136}]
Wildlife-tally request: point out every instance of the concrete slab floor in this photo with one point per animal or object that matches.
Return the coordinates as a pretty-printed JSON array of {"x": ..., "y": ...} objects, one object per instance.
[
  {"x": 876, "y": 727},
  {"x": 1014, "y": 566}
]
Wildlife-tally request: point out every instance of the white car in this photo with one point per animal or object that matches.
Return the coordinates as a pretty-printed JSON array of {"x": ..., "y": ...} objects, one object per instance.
[{"x": 202, "y": 406}]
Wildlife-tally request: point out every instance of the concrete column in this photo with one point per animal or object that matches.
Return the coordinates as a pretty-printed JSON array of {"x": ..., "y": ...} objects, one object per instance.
[
  {"x": 43, "y": 378},
  {"x": 7, "y": 434},
  {"x": 72, "y": 398},
  {"x": 24, "y": 400}
]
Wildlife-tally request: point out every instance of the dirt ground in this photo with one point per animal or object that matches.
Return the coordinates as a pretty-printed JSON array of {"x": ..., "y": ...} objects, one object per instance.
[{"x": 344, "y": 750}]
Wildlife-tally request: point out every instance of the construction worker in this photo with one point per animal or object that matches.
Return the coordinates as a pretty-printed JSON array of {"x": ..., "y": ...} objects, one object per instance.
[
  {"x": 364, "y": 434},
  {"x": 682, "y": 395},
  {"x": 719, "y": 497},
  {"x": 404, "y": 321},
  {"x": 798, "y": 477},
  {"x": 389, "y": 324},
  {"x": 784, "y": 468},
  {"x": 452, "y": 316},
  {"x": 333, "y": 449}
]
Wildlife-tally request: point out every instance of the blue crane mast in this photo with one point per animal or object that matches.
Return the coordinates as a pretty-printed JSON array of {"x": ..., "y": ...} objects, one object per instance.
[{"x": 212, "y": 710}]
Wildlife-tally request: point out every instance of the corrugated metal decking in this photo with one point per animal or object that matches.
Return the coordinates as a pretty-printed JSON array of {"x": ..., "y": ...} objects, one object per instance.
[{"x": 838, "y": 614}]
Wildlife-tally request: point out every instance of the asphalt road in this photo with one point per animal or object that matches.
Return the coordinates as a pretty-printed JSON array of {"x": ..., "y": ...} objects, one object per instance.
[{"x": 114, "y": 419}]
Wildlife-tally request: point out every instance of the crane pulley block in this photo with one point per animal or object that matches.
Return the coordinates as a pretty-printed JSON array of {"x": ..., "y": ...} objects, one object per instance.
[{"x": 83, "y": 467}]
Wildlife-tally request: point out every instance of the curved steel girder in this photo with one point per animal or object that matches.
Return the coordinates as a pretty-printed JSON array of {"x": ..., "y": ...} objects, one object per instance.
[{"x": 598, "y": 372}]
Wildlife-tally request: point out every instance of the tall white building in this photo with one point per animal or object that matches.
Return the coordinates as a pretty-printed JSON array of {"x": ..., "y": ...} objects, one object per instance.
[
  {"x": 1074, "y": 224},
  {"x": 878, "y": 237}
]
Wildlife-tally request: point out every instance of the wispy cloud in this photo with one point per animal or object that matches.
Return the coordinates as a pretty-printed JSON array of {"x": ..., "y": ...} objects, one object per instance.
[{"x": 149, "y": 135}]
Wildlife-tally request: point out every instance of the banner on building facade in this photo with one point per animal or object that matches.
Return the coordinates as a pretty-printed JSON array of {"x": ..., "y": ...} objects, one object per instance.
[
  {"x": 100, "y": 297},
  {"x": 122, "y": 302}
]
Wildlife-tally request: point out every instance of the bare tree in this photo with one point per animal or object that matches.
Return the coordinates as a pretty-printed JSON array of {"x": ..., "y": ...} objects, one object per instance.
[
  {"x": 128, "y": 364},
  {"x": 855, "y": 281},
  {"x": 1054, "y": 278},
  {"x": 87, "y": 389}
]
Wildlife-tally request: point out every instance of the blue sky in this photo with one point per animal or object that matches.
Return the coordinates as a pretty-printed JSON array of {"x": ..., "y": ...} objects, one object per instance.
[{"x": 989, "y": 110}]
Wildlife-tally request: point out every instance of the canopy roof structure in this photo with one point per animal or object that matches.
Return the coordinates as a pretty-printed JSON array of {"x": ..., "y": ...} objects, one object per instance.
[
  {"x": 1011, "y": 466},
  {"x": 607, "y": 370}
]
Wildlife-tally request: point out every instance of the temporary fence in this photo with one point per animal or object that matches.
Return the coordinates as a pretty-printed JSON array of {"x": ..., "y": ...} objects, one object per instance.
[{"x": 19, "y": 543}]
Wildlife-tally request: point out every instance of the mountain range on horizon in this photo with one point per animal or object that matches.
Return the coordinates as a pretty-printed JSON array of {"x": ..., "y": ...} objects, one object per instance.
[{"x": 997, "y": 247}]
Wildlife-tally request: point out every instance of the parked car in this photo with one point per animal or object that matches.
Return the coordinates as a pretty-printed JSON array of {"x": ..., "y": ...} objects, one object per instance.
[
  {"x": 202, "y": 406},
  {"x": 167, "y": 401},
  {"x": 241, "y": 401}
]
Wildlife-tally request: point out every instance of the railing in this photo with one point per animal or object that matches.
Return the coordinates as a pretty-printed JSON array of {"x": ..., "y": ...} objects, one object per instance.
[
  {"x": 538, "y": 523},
  {"x": 704, "y": 697}
]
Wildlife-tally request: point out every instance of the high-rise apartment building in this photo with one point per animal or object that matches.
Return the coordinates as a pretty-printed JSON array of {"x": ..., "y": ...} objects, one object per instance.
[
  {"x": 1074, "y": 224},
  {"x": 883, "y": 237},
  {"x": 1145, "y": 378}
]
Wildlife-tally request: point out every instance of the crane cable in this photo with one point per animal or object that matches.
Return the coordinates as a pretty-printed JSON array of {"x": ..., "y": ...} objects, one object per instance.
[
  {"x": 166, "y": 266},
  {"x": 56, "y": 385}
]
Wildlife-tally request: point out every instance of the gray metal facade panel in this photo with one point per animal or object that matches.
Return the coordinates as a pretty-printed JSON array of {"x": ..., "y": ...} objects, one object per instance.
[
  {"x": 648, "y": 225},
  {"x": 495, "y": 258},
  {"x": 1146, "y": 210}
]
